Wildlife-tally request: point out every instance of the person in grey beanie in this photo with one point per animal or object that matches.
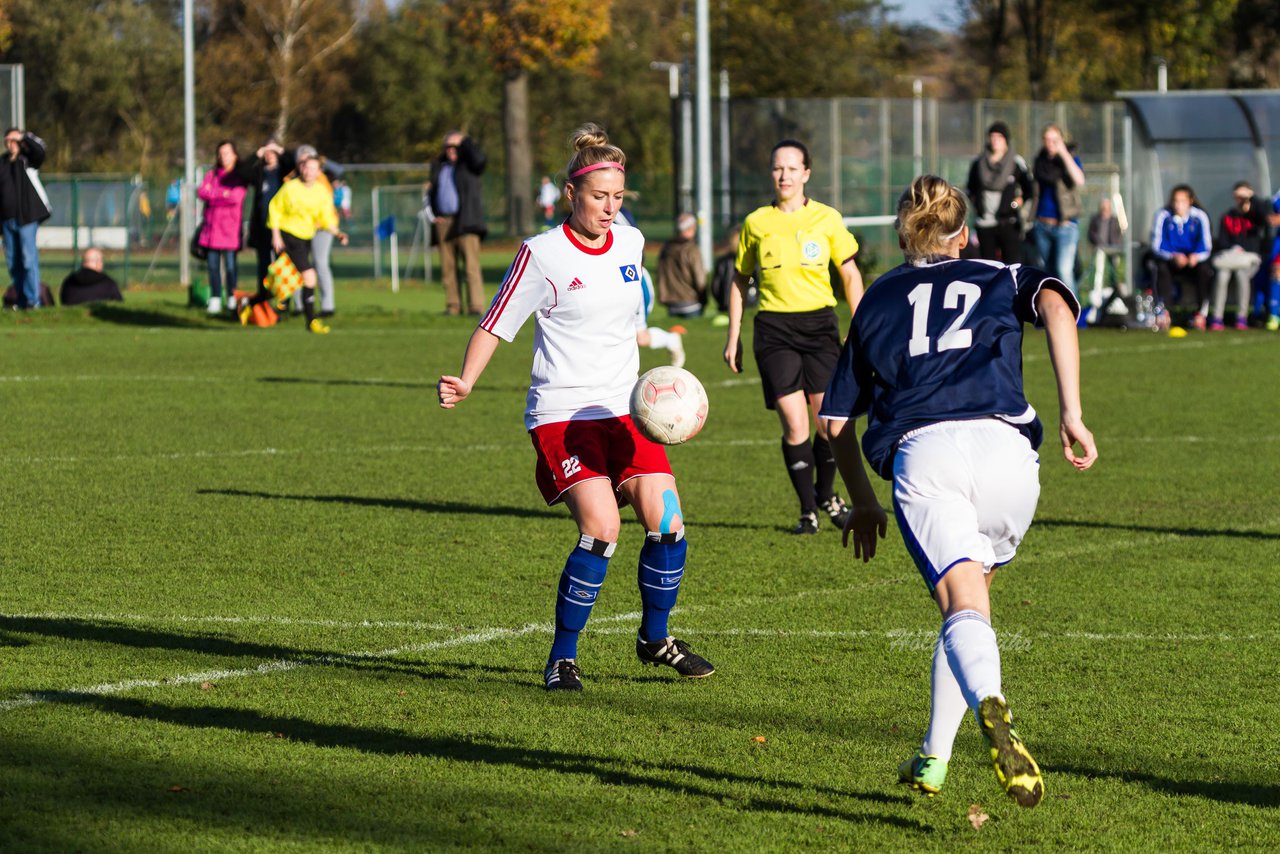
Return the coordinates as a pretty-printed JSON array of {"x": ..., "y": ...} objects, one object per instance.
[{"x": 999, "y": 185}]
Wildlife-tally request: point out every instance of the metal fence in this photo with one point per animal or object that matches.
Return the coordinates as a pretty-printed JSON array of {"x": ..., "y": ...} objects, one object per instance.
[{"x": 866, "y": 150}]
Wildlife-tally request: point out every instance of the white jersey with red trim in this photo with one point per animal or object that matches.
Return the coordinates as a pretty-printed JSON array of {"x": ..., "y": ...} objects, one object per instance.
[{"x": 584, "y": 301}]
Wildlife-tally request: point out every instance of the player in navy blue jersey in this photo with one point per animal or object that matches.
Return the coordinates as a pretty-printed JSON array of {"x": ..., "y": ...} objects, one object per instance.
[{"x": 934, "y": 360}]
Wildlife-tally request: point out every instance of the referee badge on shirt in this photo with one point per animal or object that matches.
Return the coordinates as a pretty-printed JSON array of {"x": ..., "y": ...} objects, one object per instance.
[
  {"x": 811, "y": 250},
  {"x": 630, "y": 272}
]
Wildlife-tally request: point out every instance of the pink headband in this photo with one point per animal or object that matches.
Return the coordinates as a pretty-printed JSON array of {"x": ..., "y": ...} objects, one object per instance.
[{"x": 607, "y": 164}]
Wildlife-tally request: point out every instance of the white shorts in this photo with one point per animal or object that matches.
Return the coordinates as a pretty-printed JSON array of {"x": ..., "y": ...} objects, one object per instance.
[{"x": 964, "y": 490}]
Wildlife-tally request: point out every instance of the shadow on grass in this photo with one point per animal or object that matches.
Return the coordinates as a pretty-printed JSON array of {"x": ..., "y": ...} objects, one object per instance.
[
  {"x": 121, "y": 634},
  {"x": 417, "y": 386},
  {"x": 608, "y": 770},
  {"x": 444, "y": 507},
  {"x": 124, "y": 315},
  {"x": 11, "y": 641},
  {"x": 1153, "y": 529},
  {"x": 1226, "y": 791},
  {"x": 458, "y": 507}
]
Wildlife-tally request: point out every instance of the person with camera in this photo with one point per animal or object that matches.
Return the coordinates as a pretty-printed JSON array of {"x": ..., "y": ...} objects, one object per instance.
[{"x": 23, "y": 206}]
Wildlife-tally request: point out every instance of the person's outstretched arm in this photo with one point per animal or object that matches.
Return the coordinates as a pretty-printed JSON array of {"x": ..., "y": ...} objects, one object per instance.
[
  {"x": 866, "y": 517},
  {"x": 480, "y": 349},
  {"x": 737, "y": 299},
  {"x": 851, "y": 278},
  {"x": 1064, "y": 353}
]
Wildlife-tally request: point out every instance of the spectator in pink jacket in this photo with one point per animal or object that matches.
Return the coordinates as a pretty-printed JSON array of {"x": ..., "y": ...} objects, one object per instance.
[{"x": 223, "y": 192}]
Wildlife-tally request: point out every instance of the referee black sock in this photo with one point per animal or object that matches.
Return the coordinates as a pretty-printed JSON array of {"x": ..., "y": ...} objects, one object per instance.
[
  {"x": 826, "y": 464},
  {"x": 800, "y": 464},
  {"x": 309, "y": 304}
]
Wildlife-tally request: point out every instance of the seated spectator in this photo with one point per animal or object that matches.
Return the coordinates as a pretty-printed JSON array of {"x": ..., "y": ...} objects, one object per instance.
[
  {"x": 1104, "y": 229},
  {"x": 89, "y": 283},
  {"x": 1238, "y": 253},
  {"x": 1106, "y": 236},
  {"x": 1181, "y": 241},
  {"x": 682, "y": 280}
]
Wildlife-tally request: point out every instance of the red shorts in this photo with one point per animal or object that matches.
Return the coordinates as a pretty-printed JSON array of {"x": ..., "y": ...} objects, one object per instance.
[{"x": 570, "y": 452}]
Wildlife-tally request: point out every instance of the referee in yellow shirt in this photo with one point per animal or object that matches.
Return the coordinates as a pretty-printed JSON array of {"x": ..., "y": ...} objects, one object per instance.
[
  {"x": 797, "y": 336},
  {"x": 303, "y": 206}
]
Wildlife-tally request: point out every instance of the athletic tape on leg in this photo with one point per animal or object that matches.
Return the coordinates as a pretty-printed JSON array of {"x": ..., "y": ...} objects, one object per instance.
[{"x": 670, "y": 511}]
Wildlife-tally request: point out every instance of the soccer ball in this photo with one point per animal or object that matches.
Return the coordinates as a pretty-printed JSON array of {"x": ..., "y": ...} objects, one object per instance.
[{"x": 668, "y": 405}]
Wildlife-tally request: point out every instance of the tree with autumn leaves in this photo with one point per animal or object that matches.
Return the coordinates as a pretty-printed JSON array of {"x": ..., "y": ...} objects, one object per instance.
[
  {"x": 519, "y": 36},
  {"x": 382, "y": 80}
]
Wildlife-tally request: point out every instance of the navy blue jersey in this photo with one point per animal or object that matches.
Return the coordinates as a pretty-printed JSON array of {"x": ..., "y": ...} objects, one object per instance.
[{"x": 938, "y": 342}]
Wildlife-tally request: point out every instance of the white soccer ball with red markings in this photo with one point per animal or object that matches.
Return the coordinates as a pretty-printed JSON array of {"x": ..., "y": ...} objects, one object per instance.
[{"x": 669, "y": 405}]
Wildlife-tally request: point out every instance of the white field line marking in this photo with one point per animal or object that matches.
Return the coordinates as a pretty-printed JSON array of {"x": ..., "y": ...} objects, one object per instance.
[
  {"x": 284, "y": 665},
  {"x": 423, "y": 331},
  {"x": 732, "y": 382},
  {"x": 348, "y": 450},
  {"x": 932, "y": 635},
  {"x": 249, "y": 620},
  {"x": 900, "y": 637},
  {"x": 351, "y": 450},
  {"x": 1165, "y": 347}
]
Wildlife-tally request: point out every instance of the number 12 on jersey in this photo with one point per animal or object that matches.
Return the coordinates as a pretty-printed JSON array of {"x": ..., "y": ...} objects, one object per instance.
[{"x": 961, "y": 295}]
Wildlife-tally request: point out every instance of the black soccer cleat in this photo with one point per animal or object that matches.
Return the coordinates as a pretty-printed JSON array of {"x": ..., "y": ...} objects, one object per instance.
[
  {"x": 836, "y": 509},
  {"x": 563, "y": 675},
  {"x": 674, "y": 653},
  {"x": 808, "y": 524}
]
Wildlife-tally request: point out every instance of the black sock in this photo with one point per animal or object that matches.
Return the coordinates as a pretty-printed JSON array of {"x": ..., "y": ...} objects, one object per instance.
[
  {"x": 826, "y": 463},
  {"x": 800, "y": 464},
  {"x": 309, "y": 304}
]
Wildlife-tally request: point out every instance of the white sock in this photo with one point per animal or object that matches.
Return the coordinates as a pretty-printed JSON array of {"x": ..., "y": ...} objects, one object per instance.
[
  {"x": 946, "y": 707},
  {"x": 974, "y": 656},
  {"x": 659, "y": 339}
]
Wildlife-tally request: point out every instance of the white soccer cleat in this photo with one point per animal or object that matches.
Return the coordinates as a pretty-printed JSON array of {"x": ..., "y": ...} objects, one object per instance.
[{"x": 215, "y": 305}]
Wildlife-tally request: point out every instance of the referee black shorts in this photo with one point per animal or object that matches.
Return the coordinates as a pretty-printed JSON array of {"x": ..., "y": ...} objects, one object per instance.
[
  {"x": 298, "y": 250},
  {"x": 796, "y": 351}
]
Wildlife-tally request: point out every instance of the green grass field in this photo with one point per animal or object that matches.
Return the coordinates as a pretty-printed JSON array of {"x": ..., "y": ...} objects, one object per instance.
[{"x": 259, "y": 592}]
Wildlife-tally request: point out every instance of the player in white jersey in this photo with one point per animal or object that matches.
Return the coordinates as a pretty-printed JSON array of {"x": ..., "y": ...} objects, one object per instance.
[
  {"x": 581, "y": 282},
  {"x": 934, "y": 360}
]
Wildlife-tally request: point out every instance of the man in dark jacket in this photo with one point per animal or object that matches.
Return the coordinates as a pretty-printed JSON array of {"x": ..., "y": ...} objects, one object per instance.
[
  {"x": 265, "y": 172},
  {"x": 23, "y": 206},
  {"x": 89, "y": 283},
  {"x": 456, "y": 200},
  {"x": 999, "y": 185}
]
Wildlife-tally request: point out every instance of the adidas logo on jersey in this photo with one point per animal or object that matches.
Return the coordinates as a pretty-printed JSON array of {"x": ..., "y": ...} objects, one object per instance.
[{"x": 576, "y": 284}]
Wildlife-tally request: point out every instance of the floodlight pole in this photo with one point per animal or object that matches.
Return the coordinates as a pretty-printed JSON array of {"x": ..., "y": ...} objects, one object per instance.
[
  {"x": 679, "y": 161},
  {"x": 917, "y": 127},
  {"x": 704, "y": 133},
  {"x": 726, "y": 188},
  {"x": 187, "y": 210}
]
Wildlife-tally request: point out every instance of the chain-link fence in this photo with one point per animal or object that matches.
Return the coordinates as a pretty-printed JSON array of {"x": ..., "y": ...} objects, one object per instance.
[{"x": 866, "y": 150}]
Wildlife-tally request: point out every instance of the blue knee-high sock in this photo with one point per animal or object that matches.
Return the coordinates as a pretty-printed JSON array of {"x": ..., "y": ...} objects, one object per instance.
[
  {"x": 579, "y": 586},
  {"x": 1273, "y": 298},
  {"x": 661, "y": 568}
]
